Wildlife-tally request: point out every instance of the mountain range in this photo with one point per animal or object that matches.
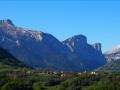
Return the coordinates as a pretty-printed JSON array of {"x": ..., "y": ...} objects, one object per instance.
[{"x": 43, "y": 51}]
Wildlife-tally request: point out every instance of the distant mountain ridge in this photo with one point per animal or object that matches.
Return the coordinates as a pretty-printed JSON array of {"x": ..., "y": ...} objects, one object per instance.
[
  {"x": 113, "y": 58},
  {"x": 113, "y": 54},
  {"x": 42, "y": 50}
]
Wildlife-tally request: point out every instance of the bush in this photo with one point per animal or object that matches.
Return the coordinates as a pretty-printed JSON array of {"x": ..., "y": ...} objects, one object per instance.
[
  {"x": 15, "y": 85},
  {"x": 39, "y": 86}
]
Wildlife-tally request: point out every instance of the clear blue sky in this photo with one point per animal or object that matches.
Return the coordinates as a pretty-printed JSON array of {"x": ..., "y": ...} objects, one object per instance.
[{"x": 98, "y": 20}]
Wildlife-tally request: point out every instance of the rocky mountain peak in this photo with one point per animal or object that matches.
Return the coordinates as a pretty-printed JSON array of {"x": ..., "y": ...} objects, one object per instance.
[
  {"x": 114, "y": 50},
  {"x": 97, "y": 46},
  {"x": 79, "y": 38},
  {"x": 7, "y": 22},
  {"x": 76, "y": 42},
  {"x": 113, "y": 54}
]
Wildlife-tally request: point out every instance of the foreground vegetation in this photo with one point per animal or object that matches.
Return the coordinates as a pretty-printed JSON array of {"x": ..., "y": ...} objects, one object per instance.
[{"x": 27, "y": 79}]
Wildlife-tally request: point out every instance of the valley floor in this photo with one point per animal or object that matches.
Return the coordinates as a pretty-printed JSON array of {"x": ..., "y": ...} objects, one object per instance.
[{"x": 27, "y": 79}]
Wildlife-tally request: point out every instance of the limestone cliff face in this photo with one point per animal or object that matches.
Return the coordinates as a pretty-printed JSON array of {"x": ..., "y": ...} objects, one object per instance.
[
  {"x": 89, "y": 54},
  {"x": 97, "y": 46},
  {"x": 76, "y": 43}
]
